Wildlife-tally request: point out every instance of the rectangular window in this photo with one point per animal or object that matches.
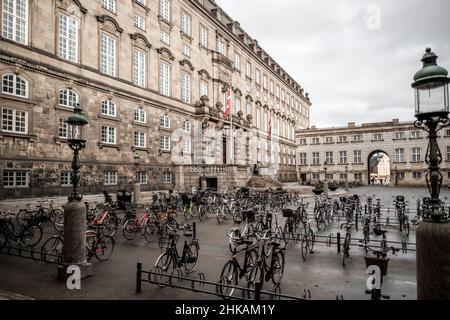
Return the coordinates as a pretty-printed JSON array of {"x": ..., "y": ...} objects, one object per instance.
[
  {"x": 271, "y": 86},
  {"x": 448, "y": 153},
  {"x": 221, "y": 46},
  {"x": 415, "y": 155},
  {"x": 108, "y": 135},
  {"x": 203, "y": 88},
  {"x": 139, "y": 22},
  {"x": 63, "y": 129},
  {"x": 237, "y": 61},
  {"x": 68, "y": 38},
  {"x": 165, "y": 143},
  {"x": 15, "y": 20},
  {"x": 65, "y": 179},
  {"x": 14, "y": 120},
  {"x": 187, "y": 145},
  {"x": 109, "y": 108},
  {"x": 316, "y": 158},
  {"x": 447, "y": 133},
  {"x": 357, "y": 156},
  {"x": 110, "y": 178},
  {"x": 265, "y": 84},
  {"x": 329, "y": 157},
  {"x": 377, "y": 137},
  {"x": 186, "y": 50},
  {"x": 164, "y": 37},
  {"x": 258, "y": 76},
  {"x": 315, "y": 141},
  {"x": 315, "y": 176},
  {"x": 399, "y": 155},
  {"x": 357, "y": 176},
  {"x": 416, "y": 135},
  {"x": 186, "y": 87},
  {"x": 400, "y": 175},
  {"x": 399, "y": 135},
  {"x": 342, "y": 157},
  {"x": 109, "y": 5},
  {"x": 139, "y": 139},
  {"x": 139, "y": 58},
  {"x": 357, "y": 138},
  {"x": 164, "y": 79},
  {"x": 143, "y": 177},
  {"x": 203, "y": 36},
  {"x": 248, "y": 70},
  {"x": 329, "y": 140},
  {"x": 167, "y": 177},
  {"x": 185, "y": 24},
  {"x": 15, "y": 179},
  {"x": 342, "y": 139},
  {"x": 302, "y": 159},
  {"x": 302, "y": 142},
  {"x": 164, "y": 9},
  {"x": 108, "y": 55},
  {"x": 417, "y": 175}
]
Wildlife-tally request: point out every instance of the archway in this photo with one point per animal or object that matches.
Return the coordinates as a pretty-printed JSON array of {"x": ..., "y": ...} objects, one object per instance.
[{"x": 379, "y": 168}]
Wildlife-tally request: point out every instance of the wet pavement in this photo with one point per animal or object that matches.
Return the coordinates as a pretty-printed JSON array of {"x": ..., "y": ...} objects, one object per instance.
[{"x": 322, "y": 273}]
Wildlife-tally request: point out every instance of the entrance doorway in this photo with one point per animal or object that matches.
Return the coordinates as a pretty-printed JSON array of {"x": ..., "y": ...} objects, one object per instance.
[
  {"x": 211, "y": 183},
  {"x": 379, "y": 168}
]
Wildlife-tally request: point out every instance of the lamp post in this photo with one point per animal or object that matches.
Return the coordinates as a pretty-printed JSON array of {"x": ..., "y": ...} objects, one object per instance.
[
  {"x": 346, "y": 178},
  {"x": 74, "y": 250},
  {"x": 137, "y": 183},
  {"x": 203, "y": 179},
  {"x": 325, "y": 183},
  {"x": 433, "y": 234},
  {"x": 395, "y": 176}
]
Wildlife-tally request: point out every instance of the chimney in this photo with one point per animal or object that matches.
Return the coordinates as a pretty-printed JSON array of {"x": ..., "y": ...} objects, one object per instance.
[
  {"x": 351, "y": 125},
  {"x": 395, "y": 121}
]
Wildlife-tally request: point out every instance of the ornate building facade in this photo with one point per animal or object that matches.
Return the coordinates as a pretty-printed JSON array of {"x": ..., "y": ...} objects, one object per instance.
[
  {"x": 346, "y": 152},
  {"x": 151, "y": 77}
]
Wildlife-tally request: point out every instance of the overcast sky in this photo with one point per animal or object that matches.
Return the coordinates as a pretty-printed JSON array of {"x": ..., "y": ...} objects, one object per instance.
[{"x": 353, "y": 70}]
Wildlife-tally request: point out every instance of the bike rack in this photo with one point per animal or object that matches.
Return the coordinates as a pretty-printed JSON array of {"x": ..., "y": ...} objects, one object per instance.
[{"x": 29, "y": 253}]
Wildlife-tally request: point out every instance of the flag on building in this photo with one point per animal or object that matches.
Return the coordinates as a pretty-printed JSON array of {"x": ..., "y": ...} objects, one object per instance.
[{"x": 228, "y": 105}]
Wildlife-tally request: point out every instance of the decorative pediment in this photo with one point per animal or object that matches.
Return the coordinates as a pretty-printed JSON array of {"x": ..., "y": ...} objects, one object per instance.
[
  {"x": 140, "y": 40},
  {"x": 249, "y": 98},
  {"x": 71, "y": 6},
  {"x": 266, "y": 107},
  {"x": 110, "y": 23},
  {"x": 238, "y": 92},
  {"x": 204, "y": 74},
  {"x": 258, "y": 103},
  {"x": 187, "y": 64},
  {"x": 166, "y": 54}
]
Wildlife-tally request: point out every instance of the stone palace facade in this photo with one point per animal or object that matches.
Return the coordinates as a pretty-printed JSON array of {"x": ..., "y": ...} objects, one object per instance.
[
  {"x": 151, "y": 77},
  {"x": 346, "y": 152}
]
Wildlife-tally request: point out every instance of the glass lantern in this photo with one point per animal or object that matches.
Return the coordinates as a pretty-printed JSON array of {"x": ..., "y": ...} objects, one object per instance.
[{"x": 77, "y": 123}]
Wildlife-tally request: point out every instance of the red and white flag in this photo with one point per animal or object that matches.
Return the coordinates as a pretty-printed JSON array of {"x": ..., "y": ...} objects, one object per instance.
[
  {"x": 270, "y": 124},
  {"x": 228, "y": 103}
]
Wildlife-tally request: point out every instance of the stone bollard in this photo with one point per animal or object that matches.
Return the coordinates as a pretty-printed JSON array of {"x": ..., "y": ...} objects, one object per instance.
[{"x": 137, "y": 193}]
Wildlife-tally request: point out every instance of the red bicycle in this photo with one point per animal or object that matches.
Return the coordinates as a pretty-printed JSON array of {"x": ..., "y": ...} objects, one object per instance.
[
  {"x": 146, "y": 225},
  {"x": 108, "y": 220}
]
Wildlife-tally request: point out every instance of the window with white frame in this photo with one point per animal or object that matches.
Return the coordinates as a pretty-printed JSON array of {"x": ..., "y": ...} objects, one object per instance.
[
  {"x": 448, "y": 153},
  {"x": 185, "y": 87},
  {"x": 164, "y": 37},
  {"x": 302, "y": 142},
  {"x": 167, "y": 177},
  {"x": 329, "y": 157},
  {"x": 283, "y": 94},
  {"x": 68, "y": 38},
  {"x": 416, "y": 135},
  {"x": 15, "y": 179},
  {"x": 203, "y": 36},
  {"x": 315, "y": 141},
  {"x": 221, "y": 46},
  {"x": 342, "y": 139},
  {"x": 139, "y": 22},
  {"x": 257, "y": 76},
  {"x": 357, "y": 138},
  {"x": 109, "y": 134},
  {"x": 399, "y": 155},
  {"x": 248, "y": 70},
  {"x": 165, "y": 143},
  {"x": 417, "y": 175},
  {"x": 187, "y": 139},
  {"x": 277, "y": 91},
  {"x": 302, "y": 159},
  {"x": 399, "y": 135},
  {"x": 186, "y": 50},
  {"x": 186, "y": 23},
  {"x": 108, "y": 55},
  {"x": 140, "y": 115},
  {"x": 164, "y": 78},
  {"x": 139, "y": 58},
  {"x": 63, "y": 128},
  {"x": 328, "y": 139},
  {"x": 110, "y": 178},
  {"x": 140, "y": 139},
  {"x": 15, "y": 20},
  {"x": 237, "y": 61},
  {"x": 203, "y": 88},
  {"x": 187, "y": 126},
  {"x": 165, "y": 121},
  {"x": 14, "y": 85},
  {"x": 265, "y": 83},
  {"x": 164, "y": 9},
  {"x": 109, "y": 108},
  {"x": 271, "y": 86},
  {"x": 342, "y": 157},
  {"x": 357, "y": 156},
  {"x": 109, "y": 5},
  {"x": 415, "y": 155},
  {"x": 143, "y": 177},
  {"x": 316, "y": 158},
  {"x": 14, "y": 120},
  {"x": 66, "y": 179},
  {"x": 68, "y": 98},
  {"x": 377, "y": 137}
]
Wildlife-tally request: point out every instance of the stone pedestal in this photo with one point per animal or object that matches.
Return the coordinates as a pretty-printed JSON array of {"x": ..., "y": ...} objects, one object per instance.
[
  {"x": 433, "y": 261},
  {"x": 74, "y": 252},
  {"x": 326, "y": 191},
  {"x": 137, "y": 193}
]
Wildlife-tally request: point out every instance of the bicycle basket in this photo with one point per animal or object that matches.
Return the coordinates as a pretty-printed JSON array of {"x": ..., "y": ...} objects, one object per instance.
[
  {"x": 188, "y": 231},
  {"x": 287, "y": 213},
  {"x": 167, "y": 240}
]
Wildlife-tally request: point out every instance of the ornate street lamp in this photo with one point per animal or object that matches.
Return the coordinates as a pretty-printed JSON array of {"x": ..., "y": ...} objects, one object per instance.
[
  {"x": 433, "y": 233},
  {"x": 346, "y": 178},
  {"x": 432, "y": 111},
  {"x": 325, "y": 183},
  {"x": 137, "y": 183}
]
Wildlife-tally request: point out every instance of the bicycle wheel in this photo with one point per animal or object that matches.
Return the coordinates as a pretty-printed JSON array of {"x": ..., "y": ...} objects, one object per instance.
[
  {"x": 129, "y": 229},
  {"x": 31, "y": 235},
  {"x": 23, "y": 215},
  {"x": 277, "y": 267},
  {"x": 202, "y": 213},
  {"x": 104, "y": 248},
  {"x": 187, "y": 212},
  {"x": 287, "y": 232},
  {"x": 54, "y": 213},
  {"x": 58, "y": 223},
  {"x": 220, "y": 216},
  {"x": 191, "y": 257},
  {"x": 276, "y": 290},
  {"x": 228, "y": 277},
  {"x": 151, "y": 230},
  {"x": 52, "y": 250},
  {"x": 110, "y": 226},
  {"x": 304, "y": 247},
  {"x": 163, "y": 265},
  {"x": 311, "y": 240},
  {"x": 3, "y": 239},
  {"x": 251, "y": 266}
]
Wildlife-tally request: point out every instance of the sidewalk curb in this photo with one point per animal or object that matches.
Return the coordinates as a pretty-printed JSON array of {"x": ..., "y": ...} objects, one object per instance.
[{"x": 6, "y": 295}]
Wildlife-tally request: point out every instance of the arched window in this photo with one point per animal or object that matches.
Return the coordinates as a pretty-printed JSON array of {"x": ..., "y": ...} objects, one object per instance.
[
  {"x": 165, "y": 121},
  {"x": 68, "y": 98},
  {"x": 140, "y": 115},
  {"x": 187, "y": 126},
  {"x": 109, "y": 108},
  {"x": 14, "y": 85}
]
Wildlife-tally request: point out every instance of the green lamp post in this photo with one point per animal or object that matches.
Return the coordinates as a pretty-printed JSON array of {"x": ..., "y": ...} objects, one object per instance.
[{"x": 433, "y": 234}]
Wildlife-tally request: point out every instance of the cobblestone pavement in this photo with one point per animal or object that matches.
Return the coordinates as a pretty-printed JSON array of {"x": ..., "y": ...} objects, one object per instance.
[{"x": 322, "y": 273}]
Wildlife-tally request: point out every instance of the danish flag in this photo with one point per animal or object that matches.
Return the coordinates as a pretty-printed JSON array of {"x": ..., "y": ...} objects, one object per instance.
[{"x": 228, "y": 103}]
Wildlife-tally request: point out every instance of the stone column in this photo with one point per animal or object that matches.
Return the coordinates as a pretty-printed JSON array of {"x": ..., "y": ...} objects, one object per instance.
[{"x": 137, "y": 192}]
